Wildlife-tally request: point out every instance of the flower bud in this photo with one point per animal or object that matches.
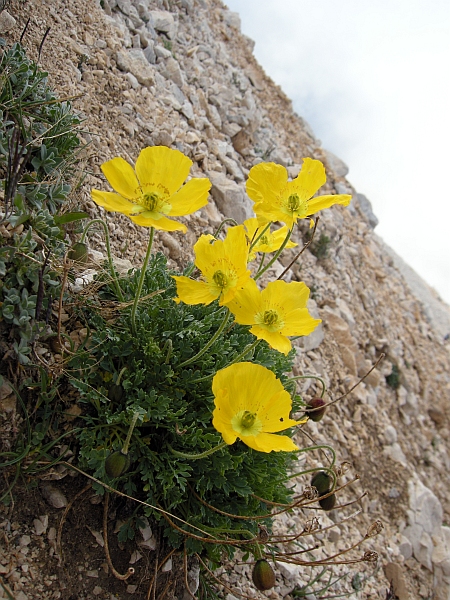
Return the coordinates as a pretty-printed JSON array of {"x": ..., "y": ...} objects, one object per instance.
[
  {"x": 263, "y": 575},
  {"x": 115, "y": 392},
  {"x": 328, "y": 502},
  {"x": 316, "y": 415},
  {"x": 117, "y": 464},
  {"x": 79, "y": 253},
  {"x": 322, "y": 481}
]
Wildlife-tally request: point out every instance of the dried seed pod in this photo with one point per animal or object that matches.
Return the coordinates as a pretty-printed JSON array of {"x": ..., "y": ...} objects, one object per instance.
[
  {"x": 115, "y": 392},
  {"x": 322, "y": 481},
  {"x": 263, "y": 575},
  {"x": 117, "y": 464},
  {"x": 317, "y": 403},
  {"x": 328, "y": 503},
  {"x": 79, "y": 253}
]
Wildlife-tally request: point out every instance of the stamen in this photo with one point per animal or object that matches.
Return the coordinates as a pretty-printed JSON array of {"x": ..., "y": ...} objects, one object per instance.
[
  {"x": 293, "y": 203},
  {"x": 248, "y": 420},
  {"x": 270, "y": 317},
  {"x": 220, "y": 279}
]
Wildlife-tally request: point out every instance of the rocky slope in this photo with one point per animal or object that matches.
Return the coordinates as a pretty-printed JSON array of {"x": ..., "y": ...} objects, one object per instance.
[{"x": 180, "y": 73}]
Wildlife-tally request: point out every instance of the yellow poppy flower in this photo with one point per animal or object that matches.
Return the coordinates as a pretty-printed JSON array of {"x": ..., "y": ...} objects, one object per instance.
[
  {"x": 269, "y": 242},
  {"x": 252, "y": 405},
  {"x": 154, "y": 190},
  {"x": 275, "y": 313},
  {"x": 223, "y": 265},
  {"x": 277, "y": 199}
]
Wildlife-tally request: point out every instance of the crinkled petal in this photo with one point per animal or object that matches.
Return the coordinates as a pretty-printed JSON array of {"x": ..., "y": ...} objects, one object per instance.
[
  {"x": 246, "y": 303},
  {"x": 160, "y": 165},
  {"x": 299, "y": 322},
  {"x": 311, "y": 177},
  {"x": 265, "y": 181},
  {"x": 113, "y": 202},
  {"x": 122, "y": 178},
  {"x": 193, "y": 292},
  {"x": 274, "y": 338},
  {"x": 162, "y": 224},
  {"x": 321, "y": 202},
  {"x": 222, "y": 416},
  {"x": 192, "y": 196},
  {"x": 248, "y": 385},
  {"x": 274, "y": 413},
  {"x": 291, "y": 295},
  {"x": 269, "y": 442}
]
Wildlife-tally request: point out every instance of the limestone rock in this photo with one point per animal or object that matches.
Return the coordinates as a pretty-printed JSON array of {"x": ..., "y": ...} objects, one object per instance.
[
  {"x": 135, "y": 62},
  {"x": 164, "y": 22},
  {"x": 230, "y": 197}
]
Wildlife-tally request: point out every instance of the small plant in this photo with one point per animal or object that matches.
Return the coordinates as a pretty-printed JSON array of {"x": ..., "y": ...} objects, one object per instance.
[
  {"x": 393, "y": 379},
  {"x": 38, "y": 145},
  {"x": 321, "y": 247}
]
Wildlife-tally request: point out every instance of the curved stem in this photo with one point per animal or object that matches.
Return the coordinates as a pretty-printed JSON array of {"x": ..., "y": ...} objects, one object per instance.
[
  {"x": 227, "y": 220},
  {"x": 245, "y": 351},
  {"x": 119, "y": 378},
  {"x": 108, "y": 250},
  {"x": 324, "y": 387},
  {"x": 141, "y": 279},
  {"x": 197, "y": 456},
  {"x": 319, "y": 447},
  {"x": 274, "y": 258},
  {"x": 130, "y": 432},
  {"x": 210, "y": 343}
]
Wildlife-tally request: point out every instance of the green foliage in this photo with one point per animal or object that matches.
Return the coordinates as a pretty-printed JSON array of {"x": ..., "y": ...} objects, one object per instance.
[
  {"x": 38, "y": 134},
  {"x": 320, "y": 248},
  {"x": 175, "y": 407},
  {"x": 393, "y": 379},
  {"x": 38, "y": 144}
]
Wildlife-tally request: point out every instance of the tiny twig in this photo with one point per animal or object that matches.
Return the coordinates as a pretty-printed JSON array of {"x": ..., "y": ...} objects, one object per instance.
[
  {"x": 380, "y": 358},
  {"x": 185, "y": 571},
  {"x": 232, "y": 592},
  {"x": 308, "y": 243},
  {"x": 41, "y": 45},
  {"x": 116, "y": 574},
  {"x": 63, "y": 518}
]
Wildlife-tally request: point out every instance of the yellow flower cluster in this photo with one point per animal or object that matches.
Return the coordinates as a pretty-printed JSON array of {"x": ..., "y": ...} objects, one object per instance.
[{"x": 251, "y": 403}]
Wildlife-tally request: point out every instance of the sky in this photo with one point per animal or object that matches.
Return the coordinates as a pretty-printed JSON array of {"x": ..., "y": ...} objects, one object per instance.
[{"x": 372, "y": 79}]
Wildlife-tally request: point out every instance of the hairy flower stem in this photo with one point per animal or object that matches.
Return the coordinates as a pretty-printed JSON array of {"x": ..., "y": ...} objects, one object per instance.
[
  {"x": 141, "y": 280},
  {"x": 197, "y": 456},
  {"x": 210, "y": 343},
  {"x": 130, "y": 433},
  {"x": 244, "y": 352},
  {"x": 319, "y": 447},
  {"x": 108, "y": 250},
  {"x": 274, "y": 258},
  {"x": 256, "y": 238},
  {"x": 324, "y": 387}
]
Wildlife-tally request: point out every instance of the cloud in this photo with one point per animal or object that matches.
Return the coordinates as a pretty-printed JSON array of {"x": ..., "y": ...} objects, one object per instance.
[{"x": 372, "y": 81}]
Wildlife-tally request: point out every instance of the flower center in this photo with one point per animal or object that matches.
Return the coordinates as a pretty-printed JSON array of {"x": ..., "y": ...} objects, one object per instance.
[
  {"x": 270, "y": 317},
  {"x": 246, "y": 423},
  {"x": 248, "y": 419},
  {"x": 293, "y": 203},
  {"x": 220, "y": 279},
  {"x": 150, "y": 201},
  {"x": 264, "y": 240}
]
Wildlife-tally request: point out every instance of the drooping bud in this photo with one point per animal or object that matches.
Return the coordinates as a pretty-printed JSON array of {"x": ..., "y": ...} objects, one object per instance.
[
  {"x": 117, "y": 464},
  {"x": 79, "y": 253},
  {"x": 263, "y": 575},
  {"x": 316, "y": 403},
  {"x": 322, "y": 481},
  {"x": 328, "y": 503},
  {"x": 115, "y": 392}
]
